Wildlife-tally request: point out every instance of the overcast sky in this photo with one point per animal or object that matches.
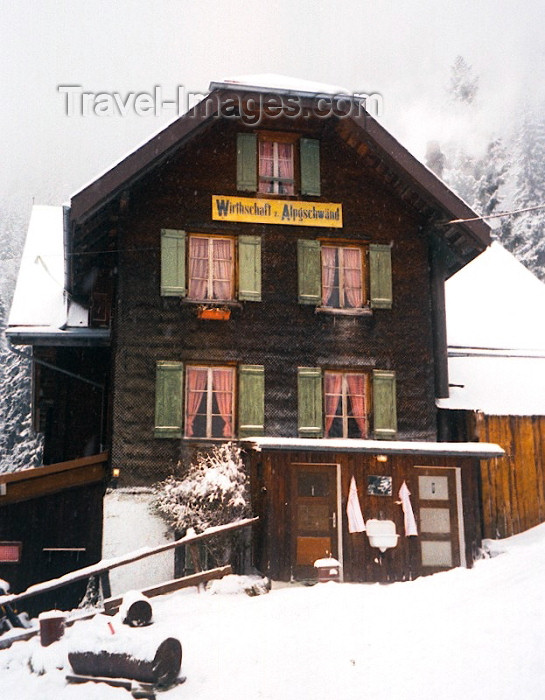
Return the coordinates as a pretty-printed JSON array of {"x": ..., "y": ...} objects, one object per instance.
[{"x": 402, "y": 49}]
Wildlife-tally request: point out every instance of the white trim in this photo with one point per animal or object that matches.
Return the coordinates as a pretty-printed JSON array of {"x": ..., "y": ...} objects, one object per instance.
[
  {"x": 480, "y": 450},
  {"x": 459, "y": 507}
]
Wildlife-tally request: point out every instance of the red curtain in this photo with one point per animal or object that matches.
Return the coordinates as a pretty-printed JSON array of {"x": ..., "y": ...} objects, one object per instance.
[
  {"x": 196, "y": 384},
  {"x": 356, "y": 391},
  {"x": 352, "y": 277},
  {"x": 332, "y": 390},
  {"x": 222, "y": 384},
  {"x": 198, "y": 268},
  {"x": 285, "y": 167},
  {"x": 329, "y": 257},
  {"x": 222, "y": 269}
]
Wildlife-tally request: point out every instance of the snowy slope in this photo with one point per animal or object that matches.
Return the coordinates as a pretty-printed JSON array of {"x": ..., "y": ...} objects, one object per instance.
[{"x": 467, "y": 634}]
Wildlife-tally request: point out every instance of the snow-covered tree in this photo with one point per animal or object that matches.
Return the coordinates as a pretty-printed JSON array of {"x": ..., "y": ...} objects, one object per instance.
[
  {"x": 215, "y": 491},
  {"x": 527, "y": 240},
  {"x": 463, "y": 85}
]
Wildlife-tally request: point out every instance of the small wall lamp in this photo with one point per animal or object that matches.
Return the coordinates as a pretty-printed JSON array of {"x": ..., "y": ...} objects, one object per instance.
[{"x": 381, "y": 458}]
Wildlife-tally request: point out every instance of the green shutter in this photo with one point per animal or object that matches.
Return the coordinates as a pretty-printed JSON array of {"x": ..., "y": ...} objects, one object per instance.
[
  {"x": 310, "y": 167},
  {"x": 168, "y": 399},
  {"x": 309, "y": 270},
  {"x": 251, "y": 400},
  {"x": 309, "y": 401},
  {"x": 249, "y": 268},
  {"x": 380, "y": 276},
  {"x": 172, "y": 262},
  {"x": 247, "y": 162},
  {"x": 384, "y": 404}
]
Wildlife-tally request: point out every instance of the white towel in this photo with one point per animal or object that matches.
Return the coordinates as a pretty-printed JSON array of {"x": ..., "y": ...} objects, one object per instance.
[
  {"x": 353, "y": 510},
  {"x": 410, "y": 522}
]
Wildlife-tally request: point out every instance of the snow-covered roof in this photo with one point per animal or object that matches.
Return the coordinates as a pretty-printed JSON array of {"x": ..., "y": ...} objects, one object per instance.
[
  {"x": 39, "y": 298},
  {"x": 445, "y": 449},
  {"x": 495, "y": 302},
  {"x": 41, "y": 309},
  {"x": 497, "y": 385},
  {"x": 496, "y": 336},
  {"x": 275, "y": 82}
]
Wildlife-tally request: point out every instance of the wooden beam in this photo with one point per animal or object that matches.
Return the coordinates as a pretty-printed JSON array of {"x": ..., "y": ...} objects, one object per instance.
[{"x": 112, "y": 605}]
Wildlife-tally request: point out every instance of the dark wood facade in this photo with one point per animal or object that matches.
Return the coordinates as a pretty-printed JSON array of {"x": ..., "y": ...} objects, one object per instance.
[
  {"x": 54, "y": 516},
  {"x": 115, "y": 243},
  {"x": 445, "y": 498}
]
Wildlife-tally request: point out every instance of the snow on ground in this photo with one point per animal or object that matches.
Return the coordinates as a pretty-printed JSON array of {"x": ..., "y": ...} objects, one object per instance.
[{"x": 467, "y": 634}]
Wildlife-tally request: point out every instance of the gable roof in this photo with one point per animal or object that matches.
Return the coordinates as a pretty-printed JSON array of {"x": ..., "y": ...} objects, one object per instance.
[
  {"x": 360, "y": 130},
  {"x": 495, "y": 336}
]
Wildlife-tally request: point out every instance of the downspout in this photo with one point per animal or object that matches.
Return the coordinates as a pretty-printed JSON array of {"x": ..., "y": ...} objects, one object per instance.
[
  {"x": 66, "y": 246},
  {"x": 439, "y": 320}
]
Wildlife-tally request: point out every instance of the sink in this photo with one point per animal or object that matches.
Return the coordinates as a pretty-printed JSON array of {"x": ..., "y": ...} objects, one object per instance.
[{"x": 381, "y": 533}]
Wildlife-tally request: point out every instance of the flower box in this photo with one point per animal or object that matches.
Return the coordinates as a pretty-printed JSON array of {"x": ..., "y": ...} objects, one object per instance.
[{"x": 214, "y": 314}]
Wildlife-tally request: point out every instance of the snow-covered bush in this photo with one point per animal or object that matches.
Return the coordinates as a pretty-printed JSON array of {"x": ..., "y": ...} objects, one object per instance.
[{"x": 214, "y": 491}]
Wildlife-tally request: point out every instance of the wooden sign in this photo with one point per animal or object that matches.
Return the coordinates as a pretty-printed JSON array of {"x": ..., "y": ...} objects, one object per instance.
[{"x": 276, "y": 211}]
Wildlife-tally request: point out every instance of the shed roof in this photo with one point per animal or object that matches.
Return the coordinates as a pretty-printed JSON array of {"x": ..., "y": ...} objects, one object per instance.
[
  {"x": 480, "y": 450},
  {"x": 42, "y": 311}
]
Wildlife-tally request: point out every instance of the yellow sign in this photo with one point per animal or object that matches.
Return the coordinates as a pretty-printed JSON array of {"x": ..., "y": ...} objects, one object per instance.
[{"x": 276, "y": 211}]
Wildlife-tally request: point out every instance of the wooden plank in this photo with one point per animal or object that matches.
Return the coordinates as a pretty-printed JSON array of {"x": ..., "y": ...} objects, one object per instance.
[
  {"x": 112, "y": 605},
  {"x": 109, "y": 564},
  {"x": 38, "y": 472},
  {"x": 51, "y": 483}
]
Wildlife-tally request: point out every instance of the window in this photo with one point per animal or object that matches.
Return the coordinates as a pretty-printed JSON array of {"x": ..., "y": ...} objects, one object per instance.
[
  {"x": 345, "y": 403},
  {"x": 210, "y": 268},
  {"x": 206, "y": 407},
  {"x": 10, "y": 552},
  {"x": 345, "y": 277},
  {"x": 209, "y": 402},
  {"x": 276, "y": 167},
  {"x": 342, "y": 277},
  {"x": 278, "y": 163}
]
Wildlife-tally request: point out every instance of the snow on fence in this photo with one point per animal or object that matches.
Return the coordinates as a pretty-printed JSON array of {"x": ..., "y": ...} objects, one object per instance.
[{"x": 107, "y": 565}]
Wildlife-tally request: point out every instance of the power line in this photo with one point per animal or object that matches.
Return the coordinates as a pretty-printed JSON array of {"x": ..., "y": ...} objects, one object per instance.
[{"x": 495, "y": 216}]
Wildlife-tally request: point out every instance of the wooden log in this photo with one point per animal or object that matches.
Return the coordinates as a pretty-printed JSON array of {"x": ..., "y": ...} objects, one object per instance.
[{"x": 161, "y": 671}]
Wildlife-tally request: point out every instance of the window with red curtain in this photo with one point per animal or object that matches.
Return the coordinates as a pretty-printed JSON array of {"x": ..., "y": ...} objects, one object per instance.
[
  {"x": 342, "y": 277},
  {"x": 276, "y": 167},
  {"x": 209, "y": 402},
  {"x": 211, "y": 268},
  {"x": 346, "y": 402}
]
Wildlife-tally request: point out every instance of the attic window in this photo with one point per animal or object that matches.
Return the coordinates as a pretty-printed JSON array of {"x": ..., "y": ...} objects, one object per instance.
[
  {"x": 276, "y": 166},
  {"x": 10, "y": 552}
]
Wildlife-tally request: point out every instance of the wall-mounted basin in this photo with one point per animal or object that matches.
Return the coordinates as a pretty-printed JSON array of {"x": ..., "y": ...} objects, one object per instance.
[{"x": 381, "y": 533}]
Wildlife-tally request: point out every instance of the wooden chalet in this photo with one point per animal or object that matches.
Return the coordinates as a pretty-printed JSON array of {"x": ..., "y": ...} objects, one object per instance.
[{"x": 270, "y": 268}]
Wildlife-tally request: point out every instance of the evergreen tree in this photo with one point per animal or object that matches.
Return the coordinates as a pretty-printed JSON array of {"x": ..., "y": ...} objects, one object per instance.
[
  {"x": 463, "y": 85},
  {"x": 527, "y": 240}
]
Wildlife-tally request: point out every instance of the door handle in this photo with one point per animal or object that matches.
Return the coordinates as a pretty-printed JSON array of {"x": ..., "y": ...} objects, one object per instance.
[{"x": 334, "y": 520}]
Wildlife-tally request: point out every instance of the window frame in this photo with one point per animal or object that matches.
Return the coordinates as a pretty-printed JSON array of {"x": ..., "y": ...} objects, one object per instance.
[
  {"x": 275, "y": 137},
  {"x": 344, "y": 402},
  {"x": 340, "y": 247},
  {"x": 210, "y": 265},
  {"x": 209, "y": 395}
]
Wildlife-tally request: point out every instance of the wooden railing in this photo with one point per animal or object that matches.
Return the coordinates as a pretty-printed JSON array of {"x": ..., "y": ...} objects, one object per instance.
[{"x": 106, "y": 565}]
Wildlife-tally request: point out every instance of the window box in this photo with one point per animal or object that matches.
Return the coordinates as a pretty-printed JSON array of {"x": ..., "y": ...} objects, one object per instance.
[{"x": 213, "y": 313}]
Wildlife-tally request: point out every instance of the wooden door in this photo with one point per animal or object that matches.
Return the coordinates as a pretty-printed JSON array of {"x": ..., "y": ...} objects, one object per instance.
[
  {"x": 439, "y": 527},
  {"x": 314, "y": 517}
]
